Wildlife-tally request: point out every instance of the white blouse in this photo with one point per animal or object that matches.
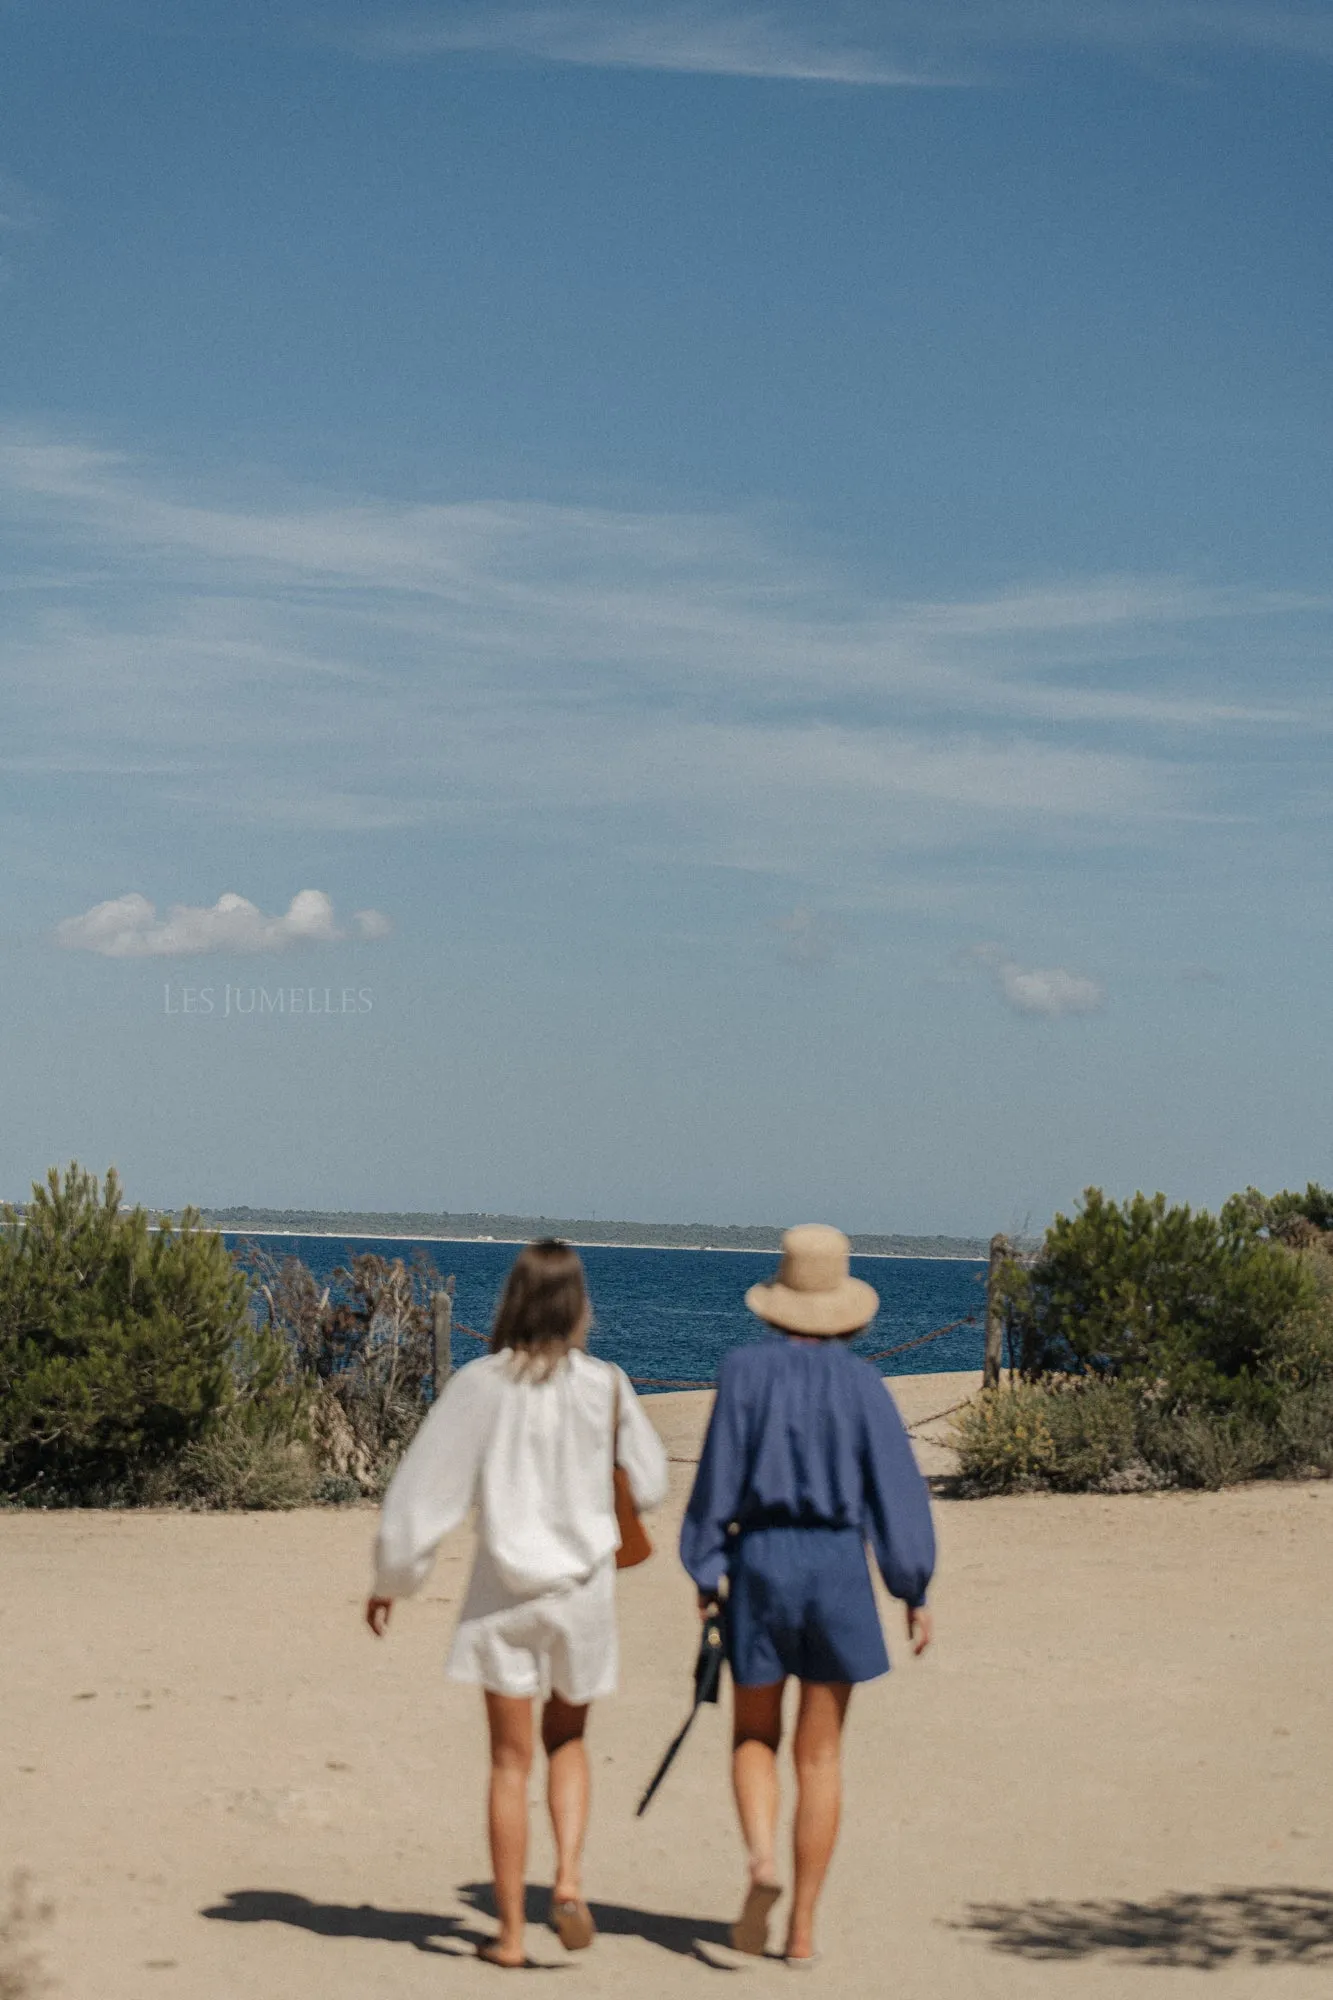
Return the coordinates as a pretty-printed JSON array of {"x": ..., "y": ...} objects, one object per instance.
[{"x": 535, "y": 1459}]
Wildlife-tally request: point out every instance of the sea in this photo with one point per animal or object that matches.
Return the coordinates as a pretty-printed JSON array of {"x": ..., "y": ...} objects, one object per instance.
[{"x": 668, "y": 1316}]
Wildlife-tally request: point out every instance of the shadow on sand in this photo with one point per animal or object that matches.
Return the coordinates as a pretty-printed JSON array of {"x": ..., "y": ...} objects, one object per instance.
[
  {"x": 453, "y": 1937},
  {"x": 447, "y": 1936},
  {"x": 682, "y": 1935},
  {"x": 1272, "y": 1926}
]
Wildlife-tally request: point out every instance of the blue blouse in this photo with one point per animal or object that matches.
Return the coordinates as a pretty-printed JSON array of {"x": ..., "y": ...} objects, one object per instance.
[{"x": 804, "y": 1434}]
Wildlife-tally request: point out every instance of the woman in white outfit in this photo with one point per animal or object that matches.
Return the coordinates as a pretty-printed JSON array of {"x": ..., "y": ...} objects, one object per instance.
[{"x": 528, "y": 1435}]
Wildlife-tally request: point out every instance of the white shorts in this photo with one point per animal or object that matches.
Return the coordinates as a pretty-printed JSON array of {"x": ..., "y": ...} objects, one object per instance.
[{"x": 563, "y": 1642}]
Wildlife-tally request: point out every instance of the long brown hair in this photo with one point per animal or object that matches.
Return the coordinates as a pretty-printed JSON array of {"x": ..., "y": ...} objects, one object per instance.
[{"x": 543, "y": 1309}]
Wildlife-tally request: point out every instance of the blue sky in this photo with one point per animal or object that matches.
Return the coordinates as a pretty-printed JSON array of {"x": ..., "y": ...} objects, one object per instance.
[{"x": 761, "y": 573}]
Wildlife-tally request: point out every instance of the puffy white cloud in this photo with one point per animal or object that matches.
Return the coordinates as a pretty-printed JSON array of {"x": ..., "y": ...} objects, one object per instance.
[
  {"x": 129, "y": 927},
  {"x": 1046, "y": 990}
]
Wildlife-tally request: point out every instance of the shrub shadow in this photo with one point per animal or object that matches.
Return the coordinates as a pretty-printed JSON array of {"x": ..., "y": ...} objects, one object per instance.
[{"x": 1267, "y": 1926}]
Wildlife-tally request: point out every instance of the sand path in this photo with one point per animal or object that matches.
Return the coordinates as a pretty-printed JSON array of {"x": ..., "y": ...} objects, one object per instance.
[{"x": 228, "y": 1789}]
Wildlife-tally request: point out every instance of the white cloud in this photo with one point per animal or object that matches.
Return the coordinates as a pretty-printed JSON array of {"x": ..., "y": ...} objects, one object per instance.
[
  {"x": 129, "y": 927},
  {"x": 1046, "y": 990},
  {"x": 709, "y": 41},
  {"x": 368, "y": 667},
  {"x": 890, "y": 43},
  {"x": 662, "y": 599}
]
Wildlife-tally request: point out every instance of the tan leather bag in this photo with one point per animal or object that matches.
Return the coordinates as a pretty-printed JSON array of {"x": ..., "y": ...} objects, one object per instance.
[{"x": 635, "y": 1546}]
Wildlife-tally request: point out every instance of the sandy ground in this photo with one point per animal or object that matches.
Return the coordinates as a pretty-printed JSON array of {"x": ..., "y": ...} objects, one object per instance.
[{"x": 227, "y": 1788}]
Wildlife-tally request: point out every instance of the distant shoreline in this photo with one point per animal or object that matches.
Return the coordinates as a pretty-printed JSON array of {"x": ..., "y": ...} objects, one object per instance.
[
  {"x": 514, "y": 1242},
  {"x": 585, "y": 1231}
]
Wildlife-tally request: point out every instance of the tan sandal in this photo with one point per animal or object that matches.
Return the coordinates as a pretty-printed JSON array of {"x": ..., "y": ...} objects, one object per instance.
[
  {"x": 749, "y": 1933},
  {"x": 572, "y": 1923}
]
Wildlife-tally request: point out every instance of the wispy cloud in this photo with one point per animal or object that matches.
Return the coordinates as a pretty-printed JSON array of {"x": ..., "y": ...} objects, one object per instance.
[
  {"x": 652, "y": 597},
  {"x": 129, "y": 927},
  {"x": 711, "y": 41},
  {"x": 888, "y": 44},
  {"x": 367, "y": 666},
  {"x": 1048, "y": 991}
]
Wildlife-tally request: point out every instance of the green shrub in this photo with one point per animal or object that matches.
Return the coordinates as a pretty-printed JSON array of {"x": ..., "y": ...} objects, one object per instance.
[
  {"x": 1298, "y": 1351},
  {"x": 1208, "y": 1447},
  {"x": 1004, "y": 1439},
  {"x": 1095, "y": 1436},
  {"x": 1078, "y": 1435},
  {"x": 1303, "y": 1428},
  {"x": 337, "y": 1489},
  {"x": 1292, "y": 1217},
  {"x": 1156, "y": 1346},
  {"x": 122, "y": 1347},
  {"x": 1140, "y": 1290},
  {"x": 237, "y": 1468}
]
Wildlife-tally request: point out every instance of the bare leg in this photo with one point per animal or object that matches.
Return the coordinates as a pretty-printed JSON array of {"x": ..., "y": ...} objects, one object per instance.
[
  {"x": 754, "y": 1776},
  {"x": 567, "y": 1792},
  {"x": 510, "y": 1719},
  {"x": 817, "y": 1750},
  {"x": 756, "y": 1734}
]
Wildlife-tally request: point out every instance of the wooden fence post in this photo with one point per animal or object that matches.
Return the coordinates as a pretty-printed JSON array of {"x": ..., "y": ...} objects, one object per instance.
[
  {"x": 990, "y": 1369},
  {"x": 442, "y": 1315}
]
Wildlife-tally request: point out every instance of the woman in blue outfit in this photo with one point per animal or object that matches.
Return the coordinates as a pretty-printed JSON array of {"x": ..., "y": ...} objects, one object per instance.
[{"x": 805, "y": 1460}]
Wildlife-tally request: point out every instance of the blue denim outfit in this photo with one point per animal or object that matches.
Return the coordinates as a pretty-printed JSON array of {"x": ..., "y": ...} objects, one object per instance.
[{"x": 806, "y": 1460}]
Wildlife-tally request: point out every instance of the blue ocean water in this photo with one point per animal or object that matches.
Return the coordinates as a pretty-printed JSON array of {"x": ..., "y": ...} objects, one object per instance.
[{"x": 670, "y": 1315}]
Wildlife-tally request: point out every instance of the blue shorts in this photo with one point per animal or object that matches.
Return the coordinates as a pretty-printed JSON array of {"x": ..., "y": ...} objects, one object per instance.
[{"x": 801, "y": 1602}]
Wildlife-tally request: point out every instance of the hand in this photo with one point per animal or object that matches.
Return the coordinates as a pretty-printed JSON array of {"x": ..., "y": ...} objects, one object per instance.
[
  {"x": 377, "y": 1614},
  {"x": 709, "y": 1604},
  {"x": 920, "y": 1627}
]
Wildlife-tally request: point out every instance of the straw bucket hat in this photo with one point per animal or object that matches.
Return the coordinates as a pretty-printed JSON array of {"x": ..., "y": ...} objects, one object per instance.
[{"x": 814, "y": 1291}]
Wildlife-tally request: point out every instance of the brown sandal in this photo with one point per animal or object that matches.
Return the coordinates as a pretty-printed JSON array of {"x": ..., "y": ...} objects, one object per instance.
[
  {"x": 572, "y": 1923},
  {"x": 749, "y": 1933}
]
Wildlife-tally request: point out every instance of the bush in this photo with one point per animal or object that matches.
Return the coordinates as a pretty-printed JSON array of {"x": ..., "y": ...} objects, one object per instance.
[
  {"x": 363, "y": 1346},
  {"x": 1209, "y": 1448},
  {"x": 1004, "y": 1440},
  {"x": 1162, "y": 1294},
  {"x": 236, "y": 1468},
  {"x": 1084, "y": 1435},
  {"x": 1304, "y": 1432},
  {"x": 1154, "y": 1346},
  {"x": 122, "y": 1348}
]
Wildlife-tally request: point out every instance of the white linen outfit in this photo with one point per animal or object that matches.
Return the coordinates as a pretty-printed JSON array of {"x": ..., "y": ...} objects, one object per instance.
[{"x": 534, "y": 1457}]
